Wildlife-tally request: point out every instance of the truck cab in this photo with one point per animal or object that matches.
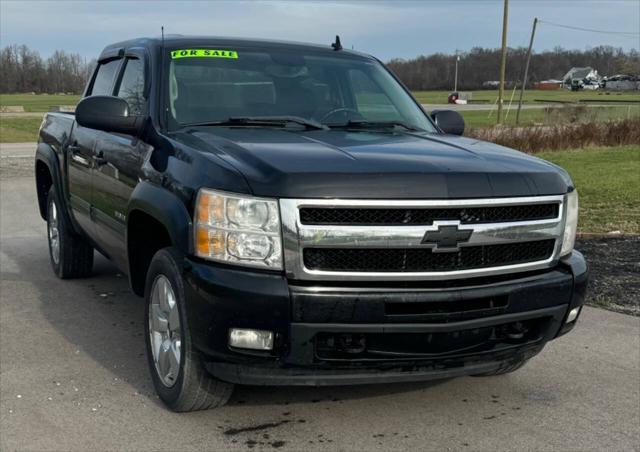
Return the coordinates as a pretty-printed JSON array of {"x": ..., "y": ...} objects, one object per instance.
[{"x": 292, "y": 216}]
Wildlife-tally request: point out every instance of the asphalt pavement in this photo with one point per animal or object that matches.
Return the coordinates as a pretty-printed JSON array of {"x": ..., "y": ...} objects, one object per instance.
[{"x": 73, "y": 376}]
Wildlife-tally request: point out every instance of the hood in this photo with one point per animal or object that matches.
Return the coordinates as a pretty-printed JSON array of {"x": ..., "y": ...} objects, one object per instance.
[{"x": 376, "y": 165}]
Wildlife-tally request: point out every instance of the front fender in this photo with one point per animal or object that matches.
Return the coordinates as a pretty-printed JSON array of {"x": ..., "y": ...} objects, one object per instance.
[{"x": 168, "y": 209}]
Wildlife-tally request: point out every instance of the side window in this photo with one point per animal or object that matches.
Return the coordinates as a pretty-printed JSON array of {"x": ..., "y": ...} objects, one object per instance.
[
  {"x": 371, "y": 101},
  {"x": 132, "y": 86},
  {"x": 103, "y": 84}
]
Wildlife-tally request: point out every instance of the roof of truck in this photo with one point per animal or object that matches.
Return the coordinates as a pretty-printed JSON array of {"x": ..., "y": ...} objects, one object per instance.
[{"x": 173, "y": 41}]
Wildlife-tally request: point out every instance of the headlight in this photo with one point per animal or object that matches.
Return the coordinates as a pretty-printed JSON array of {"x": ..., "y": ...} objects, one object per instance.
[
  {"x": 238, "y": 229},
  {"x": 571, "y": 223}
]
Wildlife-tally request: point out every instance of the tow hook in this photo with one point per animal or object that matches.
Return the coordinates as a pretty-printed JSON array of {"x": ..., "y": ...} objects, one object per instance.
[{"x": 516, "y": 331}]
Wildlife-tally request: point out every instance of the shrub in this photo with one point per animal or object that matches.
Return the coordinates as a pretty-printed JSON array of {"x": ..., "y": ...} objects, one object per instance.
[{"x": 562, "y": 136}]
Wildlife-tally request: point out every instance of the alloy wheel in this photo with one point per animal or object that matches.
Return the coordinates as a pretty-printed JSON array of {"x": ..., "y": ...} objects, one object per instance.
[
  {"x": 164, "y": 331},
  {"x": 54, "y": 233}
]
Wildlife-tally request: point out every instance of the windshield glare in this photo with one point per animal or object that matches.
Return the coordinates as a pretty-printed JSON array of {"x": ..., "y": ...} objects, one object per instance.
[{"x": 332, "y": 90}]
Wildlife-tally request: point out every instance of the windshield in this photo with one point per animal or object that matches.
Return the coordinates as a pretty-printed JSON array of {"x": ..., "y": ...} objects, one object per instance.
[{"x": 209, "y": 86}]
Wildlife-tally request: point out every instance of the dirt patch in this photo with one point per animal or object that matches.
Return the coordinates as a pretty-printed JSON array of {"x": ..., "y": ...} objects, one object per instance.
[{"x": 614, "y": 280}]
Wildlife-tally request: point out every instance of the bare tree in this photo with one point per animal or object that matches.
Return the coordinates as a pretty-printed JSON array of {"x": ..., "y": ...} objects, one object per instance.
[
  {"x": 480, "y": 65},
  {"x": 23, "y": 70}
]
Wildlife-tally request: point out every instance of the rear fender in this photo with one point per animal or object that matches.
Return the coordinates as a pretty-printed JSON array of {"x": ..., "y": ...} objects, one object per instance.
[{"x": 45, "y": 154}]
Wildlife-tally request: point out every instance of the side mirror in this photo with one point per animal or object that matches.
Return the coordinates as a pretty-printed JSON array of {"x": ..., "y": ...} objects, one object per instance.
[
  {"x": 449, "y": 121},
  {"x": 108, "y": 113}
]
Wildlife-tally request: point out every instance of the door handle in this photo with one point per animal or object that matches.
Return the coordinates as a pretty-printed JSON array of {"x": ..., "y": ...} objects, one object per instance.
[
  {"x": 77, "y": 156},
  {"x": 99, "y": 159}
]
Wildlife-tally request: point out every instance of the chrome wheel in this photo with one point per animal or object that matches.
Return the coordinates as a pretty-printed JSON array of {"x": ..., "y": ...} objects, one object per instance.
[
  {"x": 164, "y": 330},
  {"x": 54, "y": 233}
]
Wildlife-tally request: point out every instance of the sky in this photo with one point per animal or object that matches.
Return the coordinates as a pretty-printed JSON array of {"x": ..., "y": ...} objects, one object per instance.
[{"x": 387, "y": 29}]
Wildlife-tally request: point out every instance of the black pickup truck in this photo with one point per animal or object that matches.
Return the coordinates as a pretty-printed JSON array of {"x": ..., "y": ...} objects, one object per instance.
[{"x": 292, "y": 216}]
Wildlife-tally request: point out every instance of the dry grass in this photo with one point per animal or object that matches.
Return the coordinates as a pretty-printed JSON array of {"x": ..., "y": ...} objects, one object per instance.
[{"x": 571, "y": 135}]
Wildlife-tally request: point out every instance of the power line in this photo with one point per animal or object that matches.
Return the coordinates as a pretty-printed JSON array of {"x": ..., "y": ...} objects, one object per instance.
[{"x": 628, "y": 34}]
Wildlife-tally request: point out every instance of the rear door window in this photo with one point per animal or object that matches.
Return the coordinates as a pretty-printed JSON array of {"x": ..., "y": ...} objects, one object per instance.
[
  {"x": 132, "y": 86},
  {"x": 103, "y": 83}
]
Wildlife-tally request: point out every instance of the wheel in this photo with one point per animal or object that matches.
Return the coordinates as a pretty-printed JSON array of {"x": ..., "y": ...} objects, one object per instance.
[
  {"x": 71, "y": 255},
  {"x": 505, "y": 369},
  {"x": 176, "y": 367}
]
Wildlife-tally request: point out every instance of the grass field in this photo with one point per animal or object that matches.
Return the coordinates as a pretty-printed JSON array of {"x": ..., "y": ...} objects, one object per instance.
[
  {"x": 35, "y": 103},
  {"x": 607, "y": 178},
  {"x": 561, "y": 95},
  {"x": 38, "y": 102},
  {"x": 480, "y": 118},
  {"x": 608, "y": 185},
  {"x": 18, "y": 130},
  {"x": 24, "y": 129}
]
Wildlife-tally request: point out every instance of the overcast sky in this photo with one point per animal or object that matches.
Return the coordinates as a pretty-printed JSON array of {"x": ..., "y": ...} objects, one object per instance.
[{"x": 387, "y": 29}]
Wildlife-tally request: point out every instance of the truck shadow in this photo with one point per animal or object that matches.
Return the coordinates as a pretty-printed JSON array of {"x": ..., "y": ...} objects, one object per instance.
[{"x": 103, "y": 319}]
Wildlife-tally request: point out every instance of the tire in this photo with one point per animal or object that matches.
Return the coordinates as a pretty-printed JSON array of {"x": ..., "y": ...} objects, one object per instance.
[
  {"x": 180, "y": 379},
  {"x": 505, "y": 369},
  {"x": 71, "y": 255}
]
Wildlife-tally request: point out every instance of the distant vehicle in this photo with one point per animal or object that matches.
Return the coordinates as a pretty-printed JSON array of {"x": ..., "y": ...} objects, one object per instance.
[
  {"x": 459, "y": 97},
  {"x": 579, "y": 78},
  {"x": 293, "y": 217}
]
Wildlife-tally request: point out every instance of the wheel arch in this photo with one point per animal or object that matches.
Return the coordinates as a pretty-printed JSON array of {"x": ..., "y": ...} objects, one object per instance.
[
  {"x": 47, "y": 174},
  {"x": 156, "y": 218}
]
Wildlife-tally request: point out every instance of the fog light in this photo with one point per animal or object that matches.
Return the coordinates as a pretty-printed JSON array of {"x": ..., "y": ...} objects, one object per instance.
[
  {"x": 251, "y": 339},
  {"x": 573, "y": 314}
]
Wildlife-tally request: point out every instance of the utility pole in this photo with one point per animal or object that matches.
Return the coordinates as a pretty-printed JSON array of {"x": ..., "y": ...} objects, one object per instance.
[
  {"x": 526, "y": 70},
  {"x": 455, "y": 83},
  {"x": 503, "y": 58}
]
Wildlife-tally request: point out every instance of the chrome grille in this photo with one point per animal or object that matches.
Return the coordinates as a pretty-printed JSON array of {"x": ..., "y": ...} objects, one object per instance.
[
  {"x": 422, "y": 260},
  {"x": 392, "y": 239}
]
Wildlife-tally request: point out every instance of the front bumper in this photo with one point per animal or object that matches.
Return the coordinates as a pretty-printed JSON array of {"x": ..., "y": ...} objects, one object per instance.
[{"x": 403, "y": 332}]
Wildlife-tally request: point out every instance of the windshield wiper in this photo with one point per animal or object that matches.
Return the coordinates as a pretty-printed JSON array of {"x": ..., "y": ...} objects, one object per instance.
[
  {"x": 353, "y": 124},
  {"x": 261, "y": 121}
]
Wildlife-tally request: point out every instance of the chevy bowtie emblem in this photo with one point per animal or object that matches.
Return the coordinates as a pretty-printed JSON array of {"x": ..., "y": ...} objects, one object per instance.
[{"x": 447, "y": 238}]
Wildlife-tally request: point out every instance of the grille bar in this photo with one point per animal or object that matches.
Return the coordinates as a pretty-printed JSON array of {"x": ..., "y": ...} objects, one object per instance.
[
  {"x": 424, "y": 259},
  {"x": 426, "y": 216}
]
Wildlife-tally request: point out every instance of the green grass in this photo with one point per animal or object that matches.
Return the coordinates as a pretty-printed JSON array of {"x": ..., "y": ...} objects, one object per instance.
[
  {"x": 490, "y": 96},
  {"x": 607, "y": 178},
  {"x": 480, "y": 118},
  {"x": 608, "y": 184},
  {"x": 38, "y": 102},
  {"x": 16, "y": 130},
  {"x": 41, "y": 102}
]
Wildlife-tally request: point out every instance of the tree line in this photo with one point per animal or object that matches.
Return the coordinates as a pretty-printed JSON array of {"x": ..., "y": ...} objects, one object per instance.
[
  {"x": 23, "y": 70},
  {"x": 481, "y": 65}
]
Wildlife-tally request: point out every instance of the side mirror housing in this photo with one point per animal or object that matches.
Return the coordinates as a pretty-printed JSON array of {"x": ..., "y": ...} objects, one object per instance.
[
  {"x": 448, "y": 121},
  {"x": 108, "y": 113}
]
